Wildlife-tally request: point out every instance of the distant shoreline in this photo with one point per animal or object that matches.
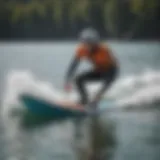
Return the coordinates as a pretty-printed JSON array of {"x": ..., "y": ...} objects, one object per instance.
[{"x": 74, "y": 40}]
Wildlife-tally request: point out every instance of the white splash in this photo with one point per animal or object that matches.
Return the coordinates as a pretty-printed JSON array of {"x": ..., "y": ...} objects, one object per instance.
[
  {"x": 132, "y": 90},
  {"x": 140, "y": 90}
]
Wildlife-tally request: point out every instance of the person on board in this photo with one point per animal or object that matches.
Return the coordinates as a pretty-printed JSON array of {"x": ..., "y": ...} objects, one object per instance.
[{"x": 105, "y": 66}]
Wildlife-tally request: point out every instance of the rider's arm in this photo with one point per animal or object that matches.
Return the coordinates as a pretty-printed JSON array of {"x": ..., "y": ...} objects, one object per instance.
[
  {"x": 72, "y": 68},
  {"x": 74, "y": 63}
]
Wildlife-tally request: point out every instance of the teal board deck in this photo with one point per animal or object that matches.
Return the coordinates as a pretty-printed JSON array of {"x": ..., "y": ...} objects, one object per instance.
[{"x": 44, "y": 108}]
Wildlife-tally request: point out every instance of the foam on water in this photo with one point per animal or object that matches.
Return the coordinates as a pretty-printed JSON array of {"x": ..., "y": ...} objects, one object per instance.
[
  {"x": 140, "y": 90},
  {"x": 133, "y": 90}
]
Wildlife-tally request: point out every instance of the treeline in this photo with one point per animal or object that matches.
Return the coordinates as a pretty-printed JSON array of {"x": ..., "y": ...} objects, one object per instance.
[{"x": 59, "y": 19}]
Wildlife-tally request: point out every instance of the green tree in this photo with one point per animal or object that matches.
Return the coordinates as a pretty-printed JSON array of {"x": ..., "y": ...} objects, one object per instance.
[
  {"x": 144, "y": 11},
  {"x": 112, "y": 11}
]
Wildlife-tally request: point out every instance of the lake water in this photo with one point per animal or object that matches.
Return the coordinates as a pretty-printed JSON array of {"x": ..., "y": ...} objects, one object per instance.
[{"x": 130, "y": 133}]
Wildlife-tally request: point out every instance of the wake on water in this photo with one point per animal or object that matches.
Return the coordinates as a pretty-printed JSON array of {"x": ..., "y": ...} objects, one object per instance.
[{"x": 135, "y": 90}]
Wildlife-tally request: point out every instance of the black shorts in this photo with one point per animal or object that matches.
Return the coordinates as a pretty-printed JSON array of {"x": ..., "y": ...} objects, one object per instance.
[{"x": 106, "y": 76}]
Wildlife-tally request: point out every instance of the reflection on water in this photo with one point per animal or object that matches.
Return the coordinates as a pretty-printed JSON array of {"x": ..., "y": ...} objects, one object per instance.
[
  {"x": 123, "y": 136},
  {"x": 102, "y": 140},
  {"x": 115, "y": 136},
  {"x": 99, "y": 138}
]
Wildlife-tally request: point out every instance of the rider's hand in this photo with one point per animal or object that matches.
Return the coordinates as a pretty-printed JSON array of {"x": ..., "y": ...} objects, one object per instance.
[{"x": 68, "y": 87}]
